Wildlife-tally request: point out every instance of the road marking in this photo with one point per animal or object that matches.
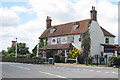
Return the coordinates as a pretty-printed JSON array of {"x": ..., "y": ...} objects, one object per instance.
[
  {"x": 20, "y": 67},
  {"x": 98, "y": 71},
  {"x": 52, "y": 74},
  {"x": 91, "y": 70},
  {"x": 114, "y": 73},
  {"x": 107, "y": 72}
]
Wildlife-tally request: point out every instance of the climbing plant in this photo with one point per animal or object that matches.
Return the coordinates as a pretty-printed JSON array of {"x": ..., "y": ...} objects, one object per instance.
[
  {"x": 85, "y": 44},
  {"x": 42, "y": 43}
]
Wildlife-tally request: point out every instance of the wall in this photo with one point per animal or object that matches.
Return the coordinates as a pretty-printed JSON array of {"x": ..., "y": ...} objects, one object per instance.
[
  {"x": 111, "y": 40},
  {"x": 97, "y": 38},
  {"x": 64, "y": 40}
]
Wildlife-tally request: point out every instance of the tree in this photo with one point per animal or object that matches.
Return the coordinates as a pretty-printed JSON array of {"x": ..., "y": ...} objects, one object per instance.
[
  {"x": 85, "y": 44},
  {"x": 21, "y": 49}
]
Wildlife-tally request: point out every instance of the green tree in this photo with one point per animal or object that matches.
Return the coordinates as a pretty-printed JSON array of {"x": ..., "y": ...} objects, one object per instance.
[{"x": 21, "y": 50}]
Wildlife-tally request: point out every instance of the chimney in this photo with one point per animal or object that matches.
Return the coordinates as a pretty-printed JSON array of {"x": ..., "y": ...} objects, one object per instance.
[
  {"x": 48, "y": 22},
  {"x": 93, "y": 14}
]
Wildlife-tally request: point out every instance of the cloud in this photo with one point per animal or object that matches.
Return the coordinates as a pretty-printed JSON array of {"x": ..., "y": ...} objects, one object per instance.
[
  {"x": 8, "y": 18},
  {"x": 20, "y": 9},
  {"x": 61, "y": 11}
]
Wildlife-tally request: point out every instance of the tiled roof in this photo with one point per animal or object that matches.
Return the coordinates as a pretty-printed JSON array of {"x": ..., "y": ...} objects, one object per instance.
[
  {"x": 57, "y": 46},
  {"x": 106, "y": 33},
  {"x": 66, "y": 29}
]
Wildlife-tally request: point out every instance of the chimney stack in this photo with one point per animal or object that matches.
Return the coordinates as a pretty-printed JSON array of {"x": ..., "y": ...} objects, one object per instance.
[
  {"x": 93, "y": 14},
  {"x": 48, "y": 22}
]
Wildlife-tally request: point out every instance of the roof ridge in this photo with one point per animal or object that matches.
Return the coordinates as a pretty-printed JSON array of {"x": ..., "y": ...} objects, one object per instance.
[{"x": 71, "y": 22}]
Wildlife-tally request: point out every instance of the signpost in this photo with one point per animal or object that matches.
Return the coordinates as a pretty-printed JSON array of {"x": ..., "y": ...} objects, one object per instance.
[
  {"x": 14, "y": 44},
  {"x": 16, "y": 48}
]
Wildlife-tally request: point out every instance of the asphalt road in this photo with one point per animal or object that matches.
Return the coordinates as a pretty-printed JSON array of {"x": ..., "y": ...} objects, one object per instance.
[{"x": 19, "y": 70}]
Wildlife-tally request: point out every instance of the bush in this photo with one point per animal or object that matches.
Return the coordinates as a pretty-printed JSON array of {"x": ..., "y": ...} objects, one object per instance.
[
  {"x": 57, "y": 59},
  {"x": 90, "y": 59},
  {"x": 114, "y": 61},
  {"x": 62, "y": 59}
]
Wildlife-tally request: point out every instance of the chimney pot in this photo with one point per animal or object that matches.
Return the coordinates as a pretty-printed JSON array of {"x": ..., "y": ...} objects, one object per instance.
[
  {"x": 92, "y": 7},
  {"x": 93, "y": 14},
  {"x": 48, "y": 22}
]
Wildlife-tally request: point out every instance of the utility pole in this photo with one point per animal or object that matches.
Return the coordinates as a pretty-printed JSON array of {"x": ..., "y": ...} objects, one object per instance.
[{"x": 16, "y": 49}]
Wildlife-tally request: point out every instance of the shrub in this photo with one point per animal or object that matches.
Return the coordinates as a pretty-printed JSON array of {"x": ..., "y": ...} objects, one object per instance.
[{"x": 114, "y": 61}]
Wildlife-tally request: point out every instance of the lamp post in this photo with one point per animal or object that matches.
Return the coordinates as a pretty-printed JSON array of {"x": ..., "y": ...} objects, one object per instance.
[{"x": 16, "y": 49}]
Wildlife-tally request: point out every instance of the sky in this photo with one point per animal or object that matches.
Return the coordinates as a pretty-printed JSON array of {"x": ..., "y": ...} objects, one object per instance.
[{"x": 26, "y": 19}]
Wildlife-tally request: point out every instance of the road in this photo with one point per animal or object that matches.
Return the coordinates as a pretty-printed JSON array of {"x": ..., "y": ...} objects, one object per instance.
[{"x": 19, "y": 70}]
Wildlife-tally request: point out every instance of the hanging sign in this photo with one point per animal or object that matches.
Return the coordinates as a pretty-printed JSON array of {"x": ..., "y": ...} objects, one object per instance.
[
  {"x": 109, "y": 50},
  {"x": 13, "y": 43}
]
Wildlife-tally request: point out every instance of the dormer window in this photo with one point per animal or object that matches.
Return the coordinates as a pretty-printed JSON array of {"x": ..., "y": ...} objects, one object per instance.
[
  {"x": 52, "y": 30},
  {"x": 74, "y": 27}
]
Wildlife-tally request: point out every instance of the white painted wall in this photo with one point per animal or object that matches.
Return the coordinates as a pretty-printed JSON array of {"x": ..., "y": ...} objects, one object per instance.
[
  {"x": 97, "y": 38},
  {"x": 76, "y": 44},
  {"x": 111, "y": 40}
]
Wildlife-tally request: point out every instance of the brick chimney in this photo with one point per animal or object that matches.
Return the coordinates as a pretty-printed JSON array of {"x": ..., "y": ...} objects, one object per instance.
[
  {"x": 48, "y": 22},
  {"x": 93, "y": 14}
]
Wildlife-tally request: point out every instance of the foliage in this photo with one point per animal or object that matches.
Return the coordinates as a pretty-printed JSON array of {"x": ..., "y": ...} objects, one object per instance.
[
  {"x": 23, "y": 60},
  {"x": 24, "y": 55},
  {"x": 90, "y": 60},
  {"x": 3, "y": 52},
  {"x": 114, "y": 61},
  {"x": 74, "y": 53},
  {"x": 85, "y": 43},
  {"x": 42, "y": 43},
  {"x": 10, "y": 55},
  {"x": 22, "y": 50}
]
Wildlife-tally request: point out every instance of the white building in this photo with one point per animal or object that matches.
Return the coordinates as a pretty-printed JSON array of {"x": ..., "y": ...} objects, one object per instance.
[{"x": 64, "y": 36}]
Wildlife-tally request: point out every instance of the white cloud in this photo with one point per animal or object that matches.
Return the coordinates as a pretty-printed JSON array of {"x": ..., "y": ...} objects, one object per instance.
[
  {"x": 8, "y": 18},
  {"x": 61, "y": 11},
  {"x": 20, "y": 9}
]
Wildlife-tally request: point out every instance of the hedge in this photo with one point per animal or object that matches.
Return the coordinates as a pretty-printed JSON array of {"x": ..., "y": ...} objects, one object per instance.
[
  {"x": 23, "y": 60},
  {"x": 114, "y": 61}
]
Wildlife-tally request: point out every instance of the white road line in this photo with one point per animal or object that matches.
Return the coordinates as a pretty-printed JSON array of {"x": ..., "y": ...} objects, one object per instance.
[
  {"x": 107, "y": 72},
  {"x": 114, "y": 73},
  {"x": 20, "y": 67},
  {"x": 98, "y": 71},
  {"x": 52, "y": 74},
  {"x": 91, "y": 70}
]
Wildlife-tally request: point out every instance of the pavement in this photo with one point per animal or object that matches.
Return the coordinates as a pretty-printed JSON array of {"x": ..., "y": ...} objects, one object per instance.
[
  {"x": 20, "y": 70},
  {"x": 78, "y": 65}
]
